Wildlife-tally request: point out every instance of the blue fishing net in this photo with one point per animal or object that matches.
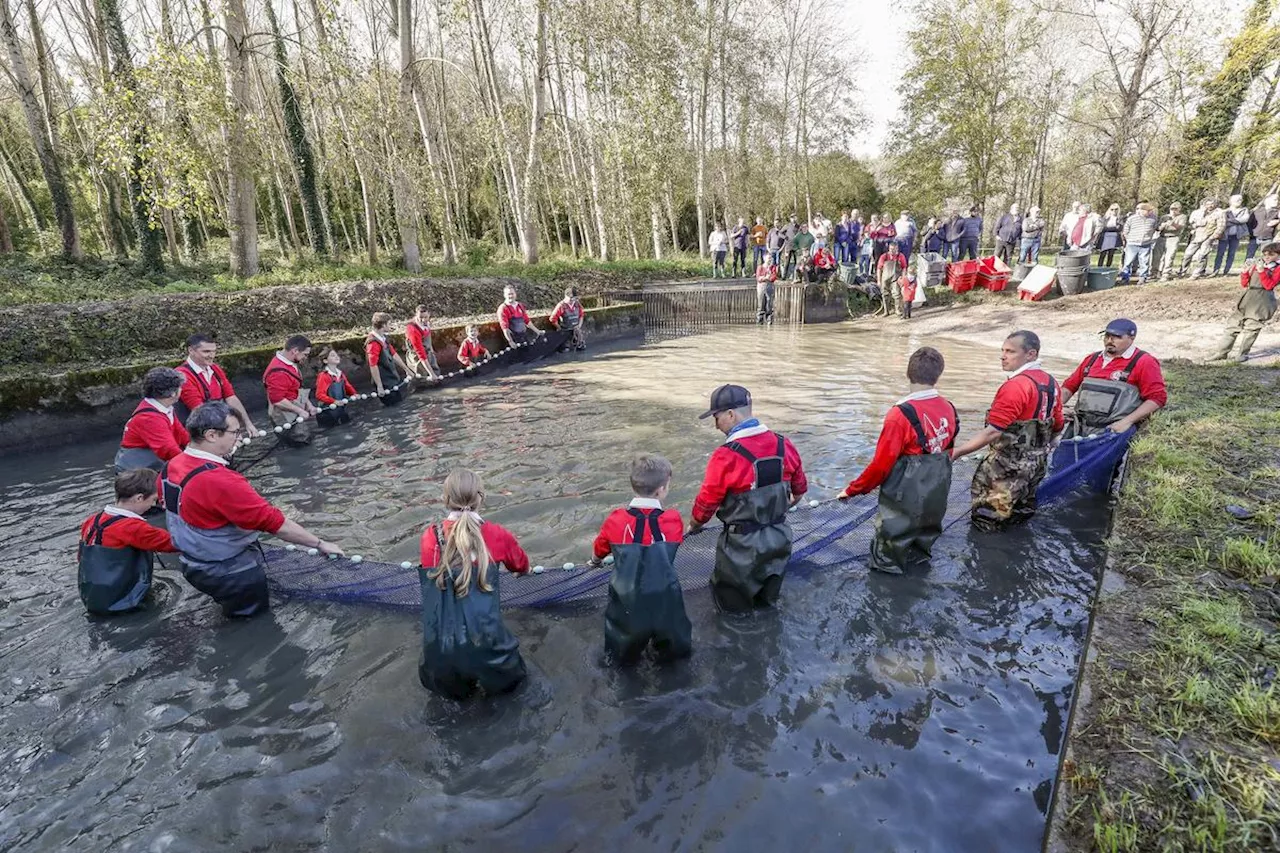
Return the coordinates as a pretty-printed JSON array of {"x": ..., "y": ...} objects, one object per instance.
[{"x": 830, "y": 535}]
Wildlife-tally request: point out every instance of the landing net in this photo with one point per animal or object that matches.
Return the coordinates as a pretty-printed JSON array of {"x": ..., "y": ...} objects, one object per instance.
[{"x": 830, "y": 535}]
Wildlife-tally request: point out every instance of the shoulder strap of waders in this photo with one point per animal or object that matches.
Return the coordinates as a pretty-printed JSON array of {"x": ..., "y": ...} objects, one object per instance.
[
  {"x": 955, "y": 426},
  {"x": 768, "y": 469},
  {"x": 913, "y": 418},
  {"x": 194, "y": 375},
  {"x": 276, "y": 368},
  {"x": 172, "y": 493},
  {"x": 1133, "y": 362},
  {"x": 1088, "y": 365},
  {"x": 147, "y": 410},
  {"x": 642, "y": 517},
  {"x": 94, "y": 536}
]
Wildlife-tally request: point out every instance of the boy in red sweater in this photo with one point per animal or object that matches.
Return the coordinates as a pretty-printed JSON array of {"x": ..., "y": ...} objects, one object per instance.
[
  {"x": 153, "y": 434},
  {"x": 645, "y": 601},
  {"x": 1256, "y": 306},
  {"x": 419, "y": 352},
  {"x": 117, "y": 547},
  {"x": 333, "y": 387},
  {"x": 471, "y": 350},
  {"x": 911, "y": 468}
]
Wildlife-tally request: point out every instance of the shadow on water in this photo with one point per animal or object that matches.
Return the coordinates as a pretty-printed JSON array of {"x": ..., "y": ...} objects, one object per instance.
[{"x": 866, "y": 713}]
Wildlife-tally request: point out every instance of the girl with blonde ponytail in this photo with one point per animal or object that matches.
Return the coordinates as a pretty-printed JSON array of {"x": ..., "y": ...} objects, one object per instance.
[{"x": 465, "y": 644}]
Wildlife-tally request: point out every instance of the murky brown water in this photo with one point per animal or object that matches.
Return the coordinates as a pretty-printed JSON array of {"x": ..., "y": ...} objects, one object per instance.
[{"x": 866, "y": 713}]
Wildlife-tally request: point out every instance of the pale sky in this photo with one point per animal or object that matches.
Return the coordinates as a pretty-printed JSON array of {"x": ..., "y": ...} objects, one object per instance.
[{"x": 880, "y": 36}]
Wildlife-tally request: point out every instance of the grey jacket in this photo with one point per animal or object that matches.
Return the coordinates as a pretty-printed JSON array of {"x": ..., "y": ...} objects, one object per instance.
[
  {"x": 1263, "y": 217},
  {"x": 1139, "y": 229},
  {"x": 1032, "y": 227}
]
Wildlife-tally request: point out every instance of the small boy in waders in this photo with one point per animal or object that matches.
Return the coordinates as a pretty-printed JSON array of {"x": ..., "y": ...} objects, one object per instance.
[
  {"x": 751, "y": 481},
  {"x": 421, "y": 355},
  {"x": 384, "y": 361},
  {"x": 332, "y": 386},
  {"x": 766, "y": 277},
  {"x": 912, "y": 469},
  {"x": 465, "y": 643},
  {"x": 1023, "y": 419},
  {"x": 908, "y": 283},
  {"x": 117, "y": 547},
  {"x": 567, "y": 316},
  {"x": 471, "y": 350},
  {"x": 288, "y": 401},
  {"x": 645, "y": 601},
  {"x": 1257, "y": 305}
]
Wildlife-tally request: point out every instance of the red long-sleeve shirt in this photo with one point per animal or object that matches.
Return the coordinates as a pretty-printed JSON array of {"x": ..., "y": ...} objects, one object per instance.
[
  {"x": 325, "y": 380},
  {"x": 373, "y": 351},
  {"x": 283, "y": 380},
  {"x": 1146, "y": 375},
  {"x": 502, "y": 545},
  {"x": 506, "y": 312},
  {"x": 221, "y": 496},
  {"x": 619, "y": 529},
  {"x": 728, "y": 471},
  {"x": 1018, "y": 399},
  {"x": 824, "y": 260},
  {"x": 151, "y": 428},
  {"x": 891, "y": 255},
  {"x": 418, "y": 337},
  {"x": 1268, "y": 275},
  {"x": 470, "y": 351},
  {"x": 129, "y": 532},
  {"x": 766, "y": 273},
  {"x": 198, "y": 390},
  {"x": 563, "y": 306},
  {"x": 898, "y": 438}
]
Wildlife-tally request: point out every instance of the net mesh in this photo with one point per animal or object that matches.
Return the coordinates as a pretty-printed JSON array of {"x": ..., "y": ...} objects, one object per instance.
[{"x": 831, "y": 534}]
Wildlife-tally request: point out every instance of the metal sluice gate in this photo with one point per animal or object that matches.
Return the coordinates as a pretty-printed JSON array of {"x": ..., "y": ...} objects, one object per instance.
[{"x": 682, "y": 305}]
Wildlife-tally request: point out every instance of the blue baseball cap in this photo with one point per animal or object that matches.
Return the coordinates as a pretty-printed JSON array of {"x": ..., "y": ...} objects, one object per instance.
[
  {"x": 727, "y": 397},
  {"x": 1120, "y": 326}
]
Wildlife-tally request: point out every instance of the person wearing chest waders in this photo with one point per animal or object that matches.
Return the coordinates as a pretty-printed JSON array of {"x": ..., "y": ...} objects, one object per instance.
[
  {"x": 517, "y": 328},
  {"x": 207, "y": 382},
  {"x": 471, "y": 351},
  {"x": 646, "y": 605},
  {"x": 1117, "y": 388},
  {"x": 153, "y": 434},
  {"x": 1021, "y": 423},
  {"x": 333, "y": 389},
  {"x": 1257, "y": 305},
  {"x": 568, "y": 316},
  {"x": 912, "y": 469},
  {"x": 215, "y": 517},
  {"x": 465, "y": 643},
  {"x": 117, "y": 548},
  {"x": 420, "y": 353},
  {"x": 385, "y": 364},
  {"x": 751, "y": 481},
  {"x": 289, "y": 404}
]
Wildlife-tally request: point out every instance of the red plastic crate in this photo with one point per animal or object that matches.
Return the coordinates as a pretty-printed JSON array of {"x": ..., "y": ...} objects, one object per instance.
[
  {"x": 995, "y": 282},
  {"x": 962, "y": 275}
]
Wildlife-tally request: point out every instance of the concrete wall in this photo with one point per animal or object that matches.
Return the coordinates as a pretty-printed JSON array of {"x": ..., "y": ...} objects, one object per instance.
[{"x": 49, "y": 411}]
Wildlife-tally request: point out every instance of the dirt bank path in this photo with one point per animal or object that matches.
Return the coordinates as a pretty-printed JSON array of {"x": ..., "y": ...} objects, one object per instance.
[{"x": 1177, "y": 320}]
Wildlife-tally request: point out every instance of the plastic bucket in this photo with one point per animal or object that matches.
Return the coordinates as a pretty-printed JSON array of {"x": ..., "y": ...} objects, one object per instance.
[
  {"x": 1020, "y": 272},
  {"x": 1071, "y": 281},
  {"x": 1076, "y": 259},
  {"x": 1102, "y": 278}
]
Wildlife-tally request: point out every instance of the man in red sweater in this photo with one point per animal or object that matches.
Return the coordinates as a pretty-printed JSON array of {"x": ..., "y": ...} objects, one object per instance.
[
  {"x": 912, "y": 469},
  {"x": 751, "y": 481},
  {"x": 153, "y": 434},
  {"x": 206, "y": 382},
  {"x": 420, "y": 353},
  {"x": 117, "y": 547},
  {"x": 289, "y": 403},
  {"x": 215, "y": 517},
  {"x": 1119, "y": 387},
  {"x": 514, "y": 319},
  {"x": 1021, "y": 423},
  {"x": 1256, "y": 306}
]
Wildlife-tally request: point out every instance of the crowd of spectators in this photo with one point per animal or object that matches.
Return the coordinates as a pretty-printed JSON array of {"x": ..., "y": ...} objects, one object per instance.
[{"x": 1145, "y": 242}]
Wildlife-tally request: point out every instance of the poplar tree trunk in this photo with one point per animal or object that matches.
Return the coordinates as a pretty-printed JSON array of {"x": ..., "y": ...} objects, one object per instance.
[
  {"x": 148, "y": 237},
  {"x": 242, "y": 214},
  {"x": 406, "y": 218},
  {"x": 46, "y": 153},
  {"x": 528, "y": 222}
]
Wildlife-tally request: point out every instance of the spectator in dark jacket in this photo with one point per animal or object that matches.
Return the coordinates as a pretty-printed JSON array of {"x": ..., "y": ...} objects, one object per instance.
[
  {"x": 1265, "y": 219},
  {"x": 932, "y": 241},
  {"x": 775, "y": 242},
  {"x": 970, "y": 234},
  {"x": 1238, "y": 227},
  {"x": 1008, "y": 233},
  {"x": 793, "y": 228},
  {"x": 738, "y": 239},
  {"x": 952, "y": 231}
]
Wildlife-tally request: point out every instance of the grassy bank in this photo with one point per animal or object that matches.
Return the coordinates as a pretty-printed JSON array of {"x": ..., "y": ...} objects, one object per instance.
[
  {"x": 1177, "y": 749},
  {"x": 29, "y": 280}
]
